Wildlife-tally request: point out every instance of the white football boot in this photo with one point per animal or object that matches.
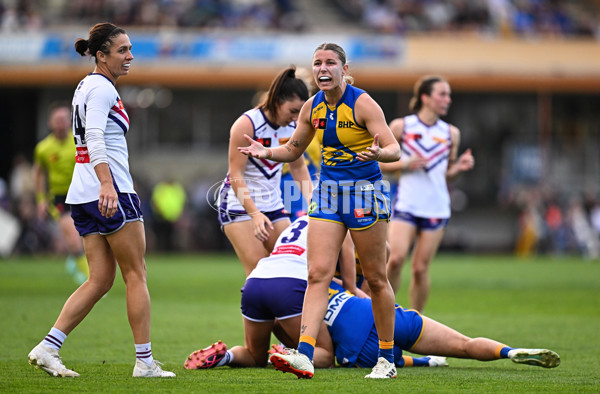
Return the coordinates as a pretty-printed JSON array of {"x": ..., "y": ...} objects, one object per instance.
[
  {"x": 437, "y": 361},
  {"x": 47, "y": 359},
  {"x": 294, "y": 362},
  {"x": 382, "y": 370},
  {"x": 143, "y": 370}
]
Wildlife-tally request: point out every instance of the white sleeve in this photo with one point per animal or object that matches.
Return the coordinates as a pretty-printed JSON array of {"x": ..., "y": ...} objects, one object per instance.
[
  {"x": 96, "y": 146},
  {"x": 98, "y": 104}
]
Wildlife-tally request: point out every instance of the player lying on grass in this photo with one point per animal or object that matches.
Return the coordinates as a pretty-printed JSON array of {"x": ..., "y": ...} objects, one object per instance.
[{"x": 350, "y": 328}]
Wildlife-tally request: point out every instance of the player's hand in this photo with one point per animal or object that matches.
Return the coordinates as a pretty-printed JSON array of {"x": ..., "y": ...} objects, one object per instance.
[
  {"x": 373, "y": 152},
  {"x": 255, "y": 149},
  {"x": 262, "y": 226},
  {"x": 416, "y": 163},
  {"x": 466, "y": 161},
  {"x": 107, "y": 200}
]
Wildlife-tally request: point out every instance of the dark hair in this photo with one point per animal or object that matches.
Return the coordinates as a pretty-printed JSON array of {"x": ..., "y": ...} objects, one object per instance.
[
  {"x": 285, "y": 87},
  {"x": 100, "y": 39},
  {"x": 423, "y": 86},
  {"x": 330, "y": 46}
]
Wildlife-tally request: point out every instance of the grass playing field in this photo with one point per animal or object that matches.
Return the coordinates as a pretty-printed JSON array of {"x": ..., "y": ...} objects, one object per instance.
[{"x": 542, "y": 302}]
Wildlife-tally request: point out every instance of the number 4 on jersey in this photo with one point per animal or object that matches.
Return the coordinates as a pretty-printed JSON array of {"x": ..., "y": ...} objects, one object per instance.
[{"x": 78, "y": 128}]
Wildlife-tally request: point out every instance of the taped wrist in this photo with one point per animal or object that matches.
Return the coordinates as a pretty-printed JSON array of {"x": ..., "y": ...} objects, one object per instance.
[{"x": 96, "y": 146}]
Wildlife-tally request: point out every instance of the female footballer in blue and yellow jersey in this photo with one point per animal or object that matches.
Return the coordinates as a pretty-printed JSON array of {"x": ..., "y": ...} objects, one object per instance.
[
  {"x": 354, "y": 134},
  {"x": 352, "y": 329},
  {"x": 350, "y": 191}
]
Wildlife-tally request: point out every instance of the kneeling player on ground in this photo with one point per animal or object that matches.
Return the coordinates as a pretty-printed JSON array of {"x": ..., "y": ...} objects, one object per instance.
[{"x": 273, "y": 291}]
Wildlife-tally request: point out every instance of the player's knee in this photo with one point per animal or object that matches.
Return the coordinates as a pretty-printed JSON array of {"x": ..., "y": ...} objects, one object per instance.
[
  {"x": 317, "y": 274},
  {"x": 101, "y": 284},
  {"x": 377, "y": 281},
  {"x": 418, "y": 277},
  {"x": 134, "y": 276},
  {"x": 396, "y": 260},
  {"x": 420, "y": 270}
]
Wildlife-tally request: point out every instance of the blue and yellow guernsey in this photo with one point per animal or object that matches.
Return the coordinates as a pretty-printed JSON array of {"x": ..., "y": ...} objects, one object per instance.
[{"x": 342, "y": 138}]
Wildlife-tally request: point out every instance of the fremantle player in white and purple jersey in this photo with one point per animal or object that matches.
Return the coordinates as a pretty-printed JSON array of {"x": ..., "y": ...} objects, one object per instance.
[
  {"x": 250, "y": 201},
  {"x": 271, "y": 302},
  {"x": 104, "y": 206},
  {"x": 422, "y": 207}
]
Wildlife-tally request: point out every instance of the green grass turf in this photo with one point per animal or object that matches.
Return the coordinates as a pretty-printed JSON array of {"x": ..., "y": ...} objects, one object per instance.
[{"x": 541, "y": 302}]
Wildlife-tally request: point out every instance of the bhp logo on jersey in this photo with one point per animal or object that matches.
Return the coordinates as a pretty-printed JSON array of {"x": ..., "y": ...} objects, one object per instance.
[
  {"x": 320, "y": 123},
  {"x": 345, "y": 124}
]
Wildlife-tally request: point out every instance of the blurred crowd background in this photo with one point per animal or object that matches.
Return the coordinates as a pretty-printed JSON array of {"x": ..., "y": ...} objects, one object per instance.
[
  {"x": 536, "y": 184},
  {"x": 506, "y": 17}
]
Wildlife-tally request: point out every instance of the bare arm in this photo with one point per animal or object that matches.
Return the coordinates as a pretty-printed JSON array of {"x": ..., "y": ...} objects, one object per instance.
[
  {"x": 108, "y": 198},
  {"x": 406, "y": 163},
  {"x": 385, "y": 148},
  {"x": 301, "y": 175},
  {"x": 465, "y": 162},
  {"x": 295, "y": 146}
]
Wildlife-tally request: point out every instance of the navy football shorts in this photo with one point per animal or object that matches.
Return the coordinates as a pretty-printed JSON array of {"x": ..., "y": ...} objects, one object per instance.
[
  {"x": 267, "y": 299},
  {"x": 89, "y": 220},
  {"x": 425, "y": 224}
]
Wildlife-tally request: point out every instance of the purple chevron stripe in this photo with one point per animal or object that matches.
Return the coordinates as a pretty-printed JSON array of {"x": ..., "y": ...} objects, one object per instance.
[
  {"x": 118, "y": 122},
  {"x": 408, "y": 152},
  {"x": 261, "y": 168},
  {"x": 426, "y": 149},
  {"x": 412, "y": 149},
  {"x": 436, "y": 163}
]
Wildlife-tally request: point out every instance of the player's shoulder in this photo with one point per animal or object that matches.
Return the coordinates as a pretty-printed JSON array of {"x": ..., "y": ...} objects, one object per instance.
[
  {"x": 397, "y": 124},
  {"x": 98, "y": 84}
]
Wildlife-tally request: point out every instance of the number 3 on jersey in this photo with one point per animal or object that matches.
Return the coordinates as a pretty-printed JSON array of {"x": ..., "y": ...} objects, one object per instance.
[{"x": 296, "y": 231}]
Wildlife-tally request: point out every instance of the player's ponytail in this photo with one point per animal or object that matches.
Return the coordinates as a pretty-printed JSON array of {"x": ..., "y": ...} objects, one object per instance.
[
  {"x": 81, "y": 46},
  {"x": 285, "y": 87}
]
